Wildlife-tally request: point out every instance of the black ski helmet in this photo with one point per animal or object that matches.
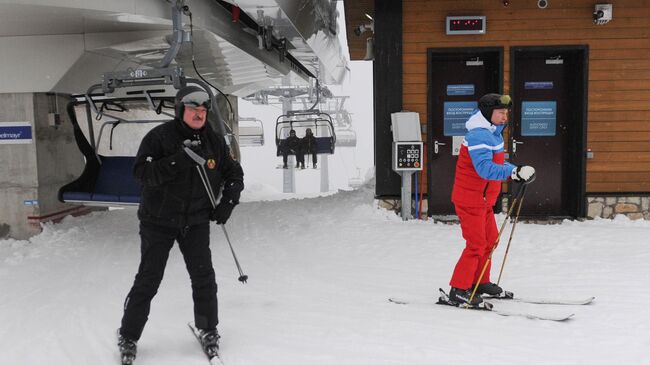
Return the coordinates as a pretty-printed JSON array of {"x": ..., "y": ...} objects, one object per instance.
[
  {"x": 192, "y": 95},
  {"x": 488, "y": 102}
]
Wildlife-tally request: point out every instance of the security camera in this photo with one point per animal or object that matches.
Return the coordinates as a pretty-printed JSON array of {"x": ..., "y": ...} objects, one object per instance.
[
  {"x": 602, "y": 14},
  {"x": 598, "y": 14},
  {"x": 542, "y": 4}
]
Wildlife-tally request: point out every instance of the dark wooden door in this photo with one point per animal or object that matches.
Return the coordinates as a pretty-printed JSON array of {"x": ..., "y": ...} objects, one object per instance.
[
  {"x": 457, "y": 78},
  {"x": 548, "y": 129}
]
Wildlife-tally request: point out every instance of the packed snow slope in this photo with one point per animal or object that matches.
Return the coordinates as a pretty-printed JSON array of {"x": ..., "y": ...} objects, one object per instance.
[{"x": 320, "y": 273}]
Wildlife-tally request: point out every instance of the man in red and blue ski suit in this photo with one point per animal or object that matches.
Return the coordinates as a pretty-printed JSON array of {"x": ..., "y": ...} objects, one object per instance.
[{"x": 480, "y": 170}]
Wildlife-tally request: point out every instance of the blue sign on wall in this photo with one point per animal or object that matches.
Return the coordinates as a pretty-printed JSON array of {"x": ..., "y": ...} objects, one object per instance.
[
  {"x": 538, "y": 118},
  {"x": 460, "y": 89},
  {"x": 15, "y": 132},
  {"x": 538, "y": 85},
  {"x": 456, "y": 114}
]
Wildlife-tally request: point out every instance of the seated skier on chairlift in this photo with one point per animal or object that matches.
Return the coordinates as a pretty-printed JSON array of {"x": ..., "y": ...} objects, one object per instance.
[
  {"x": 291, "y": 146},
  {"x": 308, "y": 145}
]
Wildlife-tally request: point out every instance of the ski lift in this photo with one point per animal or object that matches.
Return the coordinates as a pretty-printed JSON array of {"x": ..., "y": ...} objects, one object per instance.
[
  {"x": 251, "y": 132},
  {"x": 129, "y": 104},
  {"x": 299, "y": 121},
  {"x": 356, "y": 181},
  {"x": 346, "y": 138}
]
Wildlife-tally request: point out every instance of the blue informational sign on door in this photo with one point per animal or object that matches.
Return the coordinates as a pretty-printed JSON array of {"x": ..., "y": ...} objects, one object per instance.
[
  {"x": 456, "y": 114},
  {"x": 538, "y": 118},
  {"x": 460, "y": 89},
  {"x": 538, "y": 85}
]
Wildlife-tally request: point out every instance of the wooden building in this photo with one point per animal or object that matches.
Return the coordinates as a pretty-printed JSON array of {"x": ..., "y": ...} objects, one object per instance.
[{"x": 581, "y": 94}]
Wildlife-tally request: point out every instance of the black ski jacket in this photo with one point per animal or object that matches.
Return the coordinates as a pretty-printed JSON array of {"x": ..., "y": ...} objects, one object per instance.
[
  {"x": 308, "y": 144},
  {"x": 173, "y": 193},
  {"x": 291, "y": 145}
]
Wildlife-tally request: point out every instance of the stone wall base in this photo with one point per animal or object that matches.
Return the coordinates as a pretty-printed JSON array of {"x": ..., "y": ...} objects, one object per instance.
[
  {"x": 597, "y": 206},
  {"x": 634, "y": 207}
]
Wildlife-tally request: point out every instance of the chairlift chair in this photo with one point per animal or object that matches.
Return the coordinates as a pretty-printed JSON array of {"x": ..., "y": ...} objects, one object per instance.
[
  {"x": 320, "y": 123},
  {"x": 251, "y": 132},
  {"x": 356, "y": 181},
  {"x": 125, "y": 107},
  {"x": 346, "y": 138}
]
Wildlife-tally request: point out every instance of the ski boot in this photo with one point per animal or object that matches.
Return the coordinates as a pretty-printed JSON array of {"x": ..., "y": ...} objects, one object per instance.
[
  {"x": 490, "y": 289},
  {"x": 128, "y": 349},
  {"x": 210, "y": 342},
  {"x": 460, "y": 297}
]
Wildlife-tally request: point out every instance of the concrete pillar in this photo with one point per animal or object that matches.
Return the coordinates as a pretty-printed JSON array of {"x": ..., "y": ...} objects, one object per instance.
[
  {"x": 32, "y": 169},
  {"x": 324, "y": 173},
  {"x": 288, "y": 176}
]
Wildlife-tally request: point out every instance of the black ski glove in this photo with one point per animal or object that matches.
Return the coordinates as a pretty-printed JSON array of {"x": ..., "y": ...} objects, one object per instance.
[{"x": 222, "y": 212}]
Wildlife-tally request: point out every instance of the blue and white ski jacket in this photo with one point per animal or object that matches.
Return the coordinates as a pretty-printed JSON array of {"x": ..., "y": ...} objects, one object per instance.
[{"x": 481, "y": 164}]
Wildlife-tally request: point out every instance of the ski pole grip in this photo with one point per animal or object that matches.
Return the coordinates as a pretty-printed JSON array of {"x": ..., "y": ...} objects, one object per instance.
[{"x": 198, "y": 159}]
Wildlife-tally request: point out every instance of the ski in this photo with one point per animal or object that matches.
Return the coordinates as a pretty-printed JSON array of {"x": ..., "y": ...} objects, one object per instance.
[
  {"x": 213, "y": 359},
  {"x": 490, "y": 307},
  {"x": 444, "y": 299},
  {"x": 506, "y": 295}
]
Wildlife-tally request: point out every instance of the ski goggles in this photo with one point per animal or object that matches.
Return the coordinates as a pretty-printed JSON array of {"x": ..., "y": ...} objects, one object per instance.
[{"x": 197, "y": 99}]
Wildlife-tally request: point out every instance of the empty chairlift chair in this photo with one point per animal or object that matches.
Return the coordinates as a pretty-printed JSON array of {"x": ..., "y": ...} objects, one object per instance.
[
  {"x": 251, "y": 132},
  {"x": 109, "y": 141},
  {"x": 346, "y": 138},
  {"x": 116, "y": 120}
]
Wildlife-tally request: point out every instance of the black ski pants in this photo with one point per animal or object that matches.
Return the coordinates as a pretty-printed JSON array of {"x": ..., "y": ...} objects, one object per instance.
[
  {"x": 156, "y": 242},
  {"x": 300, "y": 157}
]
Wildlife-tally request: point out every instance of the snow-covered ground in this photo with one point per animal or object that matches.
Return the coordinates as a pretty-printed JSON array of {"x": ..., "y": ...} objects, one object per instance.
[{"x": 320, "y": 272}]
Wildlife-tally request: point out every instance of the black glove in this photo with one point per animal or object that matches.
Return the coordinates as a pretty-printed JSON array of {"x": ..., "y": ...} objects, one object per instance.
[
  {"x": 222, "y": 212},
  {"x": 232, "y": 190}
]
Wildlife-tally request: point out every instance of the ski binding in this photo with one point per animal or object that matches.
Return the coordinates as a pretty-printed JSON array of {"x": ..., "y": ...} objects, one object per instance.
[{"x": 213, "y": 358}]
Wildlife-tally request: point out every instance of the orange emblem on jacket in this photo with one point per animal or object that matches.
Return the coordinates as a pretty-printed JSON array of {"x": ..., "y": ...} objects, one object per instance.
[{"x": 211, "y": 164}]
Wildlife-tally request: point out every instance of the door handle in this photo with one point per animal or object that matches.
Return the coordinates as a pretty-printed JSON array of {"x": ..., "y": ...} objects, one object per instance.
[
  {"x": 435, "y": 146},
  {"x": 514, "y": 145}
]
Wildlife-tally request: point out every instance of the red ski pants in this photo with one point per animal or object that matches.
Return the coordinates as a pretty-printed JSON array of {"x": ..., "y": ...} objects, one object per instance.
[{"x": 480, "y": 233}]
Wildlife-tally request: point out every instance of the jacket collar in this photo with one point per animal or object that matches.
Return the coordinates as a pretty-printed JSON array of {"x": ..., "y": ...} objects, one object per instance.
[
  {"x": 477, "y": 120},
  {"x": 188, "y": 132}
]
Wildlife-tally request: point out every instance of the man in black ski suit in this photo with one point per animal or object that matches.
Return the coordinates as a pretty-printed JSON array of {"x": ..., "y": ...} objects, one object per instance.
[
  {"x": 291, "y": 145},
  {"x": 175, "y": 207},
  {"x": 308, "y": 143}
]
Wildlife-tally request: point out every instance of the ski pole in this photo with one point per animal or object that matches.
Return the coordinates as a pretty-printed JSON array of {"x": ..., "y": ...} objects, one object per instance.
[
  {"x": 519, "y": 195},
  {"x": 512, "y": 231},
  {"x": 243, "y": 278},
  {"x": 208, "y": 189},
  {"x": 200, "y": 162}
]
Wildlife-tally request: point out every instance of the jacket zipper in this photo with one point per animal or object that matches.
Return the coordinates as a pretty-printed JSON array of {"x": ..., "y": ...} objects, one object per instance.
[{"x": 189, "y": 200}]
